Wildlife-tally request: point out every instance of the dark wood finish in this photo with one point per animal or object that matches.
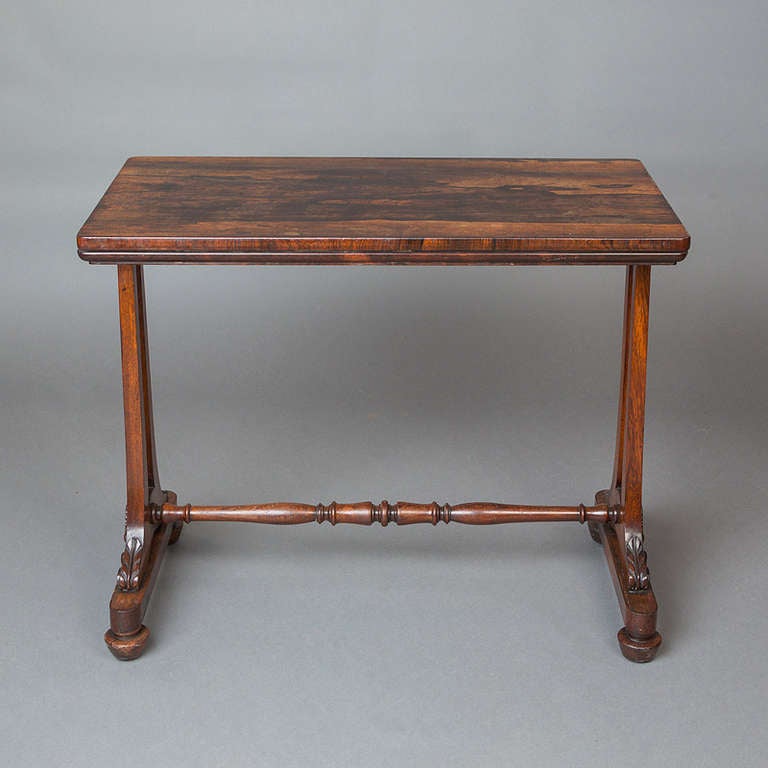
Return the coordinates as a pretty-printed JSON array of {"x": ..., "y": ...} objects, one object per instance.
[
  {"x": 137, "y": 405},
  {"x": 399, "y": 513},
  {"x": 141, "y": 555},
  {"x": 382, "y": 210},
  {"x": 624, "y": 542},
  {"x": 638, "y": 639},
  {"x": 127, "y": 636},
  {"x": 389, "y": 211},
  {"x": 630, "y": 481}
]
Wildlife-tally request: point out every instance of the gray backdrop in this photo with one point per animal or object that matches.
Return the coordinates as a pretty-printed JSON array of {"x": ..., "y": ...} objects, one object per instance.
[{"x": 415, "y": 647}]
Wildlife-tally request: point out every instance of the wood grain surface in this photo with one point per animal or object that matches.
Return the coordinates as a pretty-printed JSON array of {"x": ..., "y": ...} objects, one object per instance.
[{"x": 382, "y": 211}]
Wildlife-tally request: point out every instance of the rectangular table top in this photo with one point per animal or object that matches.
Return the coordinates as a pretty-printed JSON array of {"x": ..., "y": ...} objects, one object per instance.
[{"x": 326, "y": 210}]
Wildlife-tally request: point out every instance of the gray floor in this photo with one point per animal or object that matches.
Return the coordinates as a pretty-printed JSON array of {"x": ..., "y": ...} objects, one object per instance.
[
  {"x": 453, "y": 646},
  {"x": 447, "y": 646}
]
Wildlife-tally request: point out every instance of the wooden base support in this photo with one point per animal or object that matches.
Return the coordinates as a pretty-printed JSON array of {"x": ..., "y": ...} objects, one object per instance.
[
  {"x": 639, "y": 651},
  {"x": 594, "y": 532},
  {"x": 154, "y": 518},
  {"x": 176, "y": 529},
  {"x": 368, "y": 513},
  {"x": 127, "y": 636},
  {"x": 128, "y": 647},
  {"x": 638, "y": 639}
]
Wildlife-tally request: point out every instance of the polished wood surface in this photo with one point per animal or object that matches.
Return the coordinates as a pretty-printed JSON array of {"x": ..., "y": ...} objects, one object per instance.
[
  {"x": 398, "y": 513},
  {"x": 143, "y": 547},
  {"x": 382, "y": 211},
  {"x": 624, "y": 540},
  {"x": 198, "y": 210}
]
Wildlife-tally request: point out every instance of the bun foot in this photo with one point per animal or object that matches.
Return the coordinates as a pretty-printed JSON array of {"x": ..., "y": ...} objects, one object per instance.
[
  {"x": 636, "y": 650},
  {"x": 127, "y": 647},
  {"x": 175, "y": 533}
]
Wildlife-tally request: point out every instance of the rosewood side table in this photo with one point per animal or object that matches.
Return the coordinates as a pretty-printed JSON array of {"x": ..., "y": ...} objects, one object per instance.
[{"x": 218, "y": 210}]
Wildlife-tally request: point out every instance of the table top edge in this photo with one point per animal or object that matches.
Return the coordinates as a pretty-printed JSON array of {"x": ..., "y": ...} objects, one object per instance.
[{"x": 384, "y": 239}]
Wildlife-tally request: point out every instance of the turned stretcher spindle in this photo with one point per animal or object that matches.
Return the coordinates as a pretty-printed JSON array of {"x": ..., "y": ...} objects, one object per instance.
[{"x": 400, "y": 513}]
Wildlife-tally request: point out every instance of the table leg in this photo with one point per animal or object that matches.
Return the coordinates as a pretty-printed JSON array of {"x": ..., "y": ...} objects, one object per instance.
[
  {"x": 144, "y": 543},
  {"x": 147, "y": 536},
  {"x": 624, "y": 542}
]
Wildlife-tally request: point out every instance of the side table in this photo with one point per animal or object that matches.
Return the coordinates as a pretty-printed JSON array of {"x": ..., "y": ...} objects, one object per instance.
[{"x": 248, "y": 210}]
